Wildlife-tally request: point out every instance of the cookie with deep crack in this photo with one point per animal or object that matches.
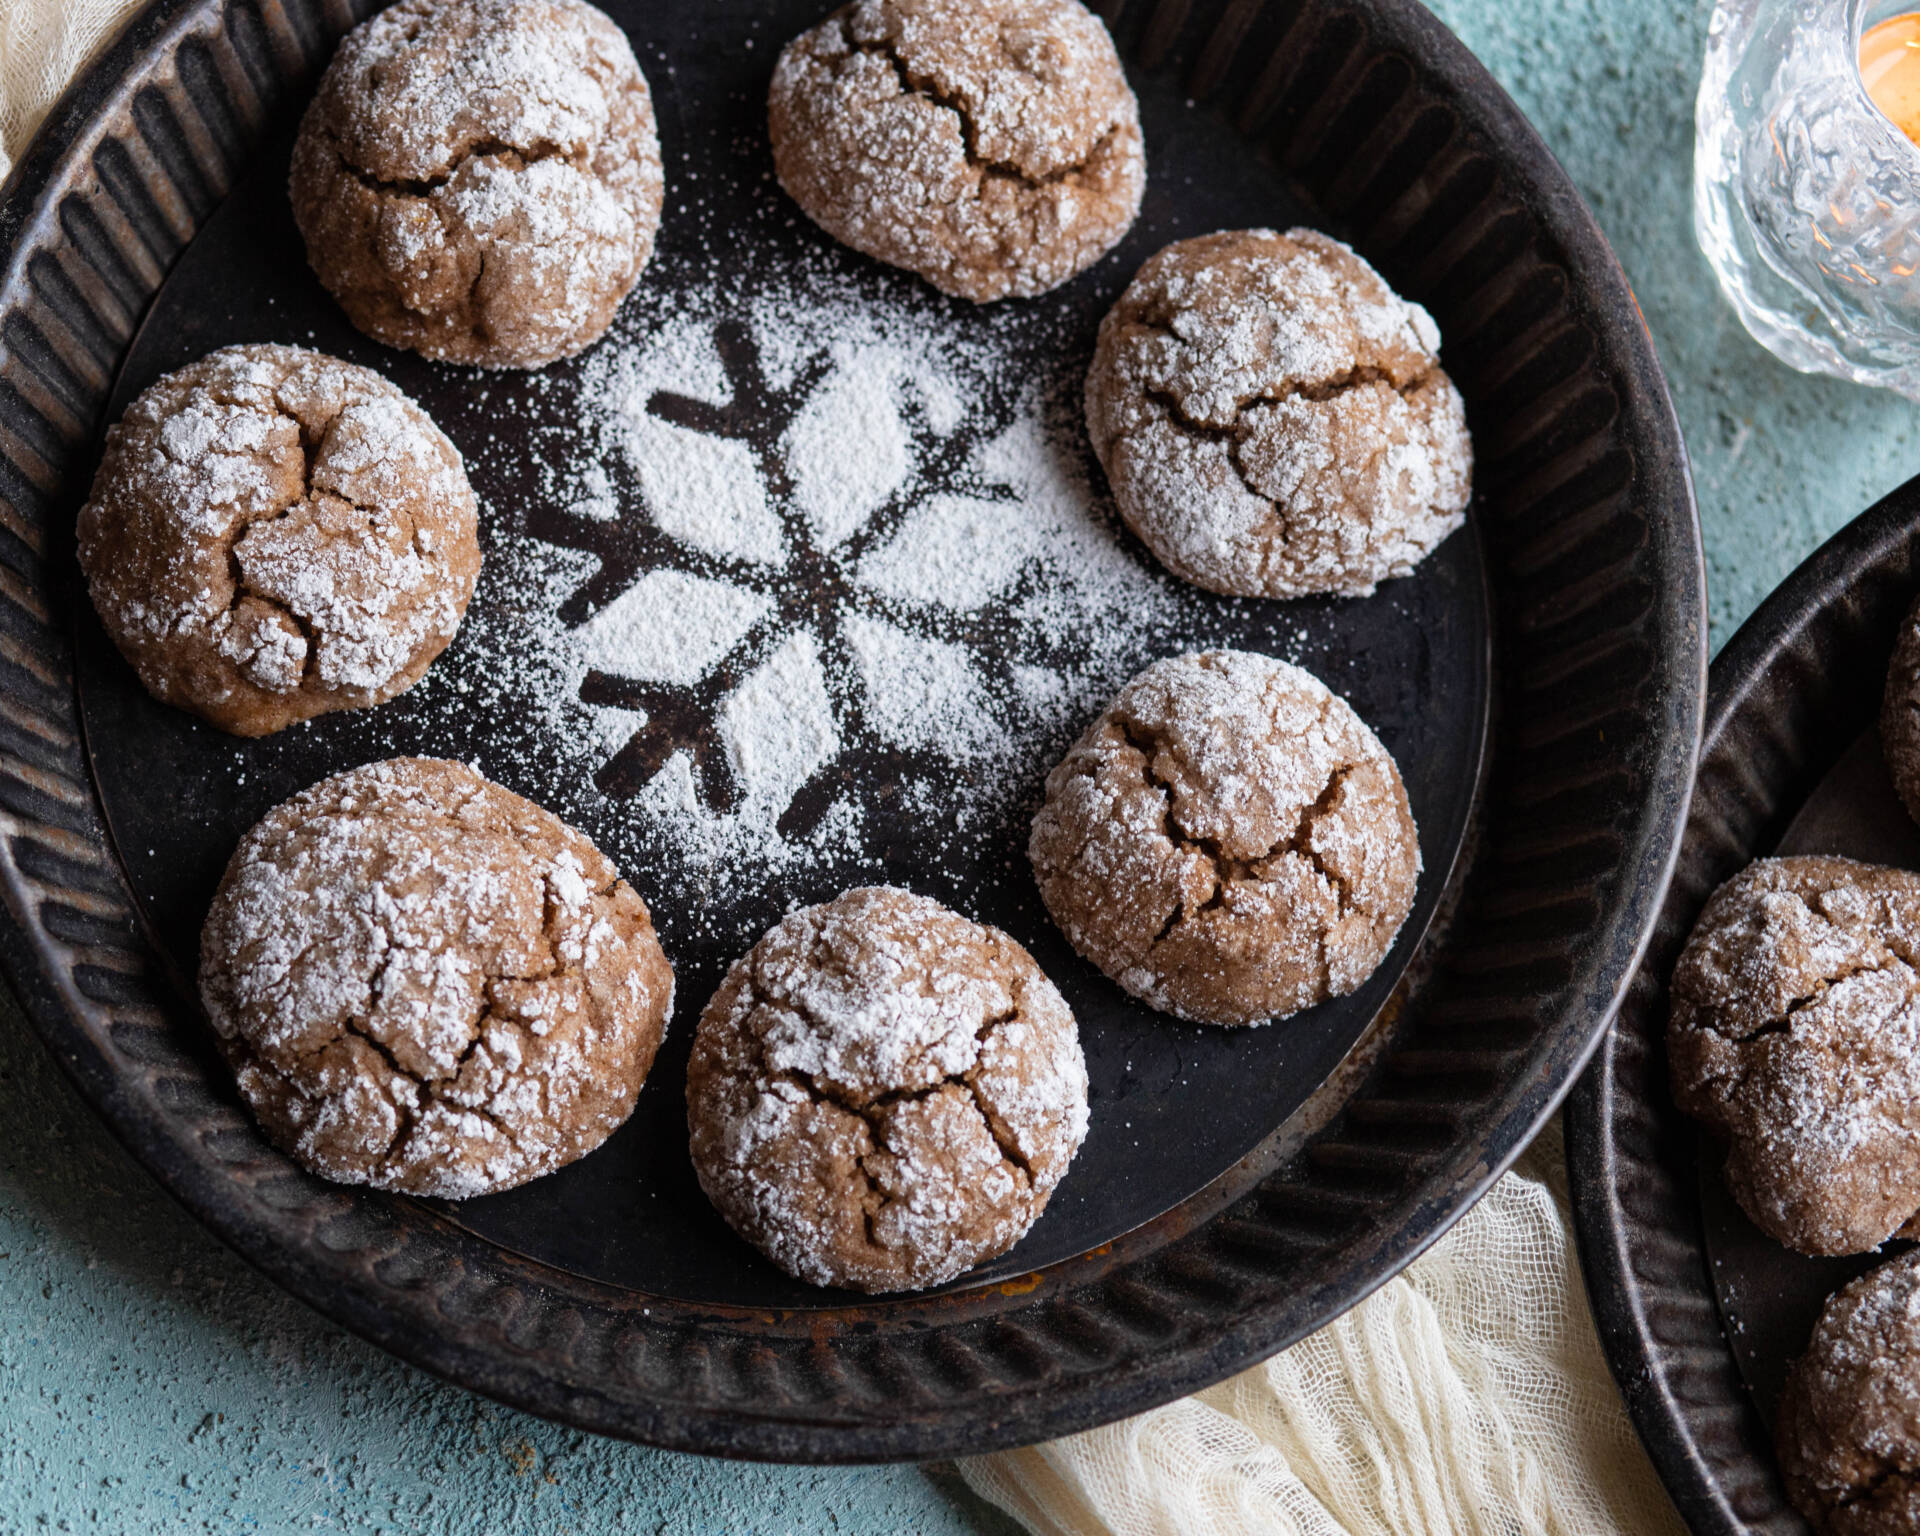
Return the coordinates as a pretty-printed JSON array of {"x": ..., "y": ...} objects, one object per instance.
[
  {"x": 1795, "y": 1037},
  {"x": 480, "y": 180},
  {"x": 992, "y": 146},
  {"x": 1273, "y": 418},
  {"x": 884, "y": 1093},
  {"x": 1848, "y": 1429},
  {"x": 274, "y": 534},
  {"x": 426, "y": 983},
  {"x": 1900, "y": 714},
  {"x": 1229, "y": 841}
]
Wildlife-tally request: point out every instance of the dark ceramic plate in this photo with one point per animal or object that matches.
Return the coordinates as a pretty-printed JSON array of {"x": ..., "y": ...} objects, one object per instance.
[
  {"x": 1175, "y": 1107},
  {"x": 1539, "y": 678},
  {"x": 1699, "y": 1312}
]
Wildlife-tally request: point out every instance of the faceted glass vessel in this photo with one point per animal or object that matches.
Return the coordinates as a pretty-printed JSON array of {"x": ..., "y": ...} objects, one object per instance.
[{"x": 1806, "y": 197}]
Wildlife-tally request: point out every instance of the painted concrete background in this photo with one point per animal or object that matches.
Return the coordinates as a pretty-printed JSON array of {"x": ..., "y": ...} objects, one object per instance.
[{"x": 151, "y": 1383}]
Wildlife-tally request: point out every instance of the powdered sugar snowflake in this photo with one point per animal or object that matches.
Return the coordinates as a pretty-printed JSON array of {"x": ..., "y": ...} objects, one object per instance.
[{"x": 833, "y": 545}]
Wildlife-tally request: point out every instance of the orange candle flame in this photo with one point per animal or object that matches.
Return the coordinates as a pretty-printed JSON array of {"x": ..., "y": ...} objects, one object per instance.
[{"x": 1890, "y": 70}]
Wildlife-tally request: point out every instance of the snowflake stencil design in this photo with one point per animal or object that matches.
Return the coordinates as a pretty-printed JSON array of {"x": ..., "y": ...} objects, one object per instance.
[{"x": 828, "y": 539}]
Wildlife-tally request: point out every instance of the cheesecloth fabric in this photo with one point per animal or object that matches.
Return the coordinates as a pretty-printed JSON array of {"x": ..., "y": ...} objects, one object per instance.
[
  {"x": 43, "y": 44},
  {"x": 1466, "y": 1396}
]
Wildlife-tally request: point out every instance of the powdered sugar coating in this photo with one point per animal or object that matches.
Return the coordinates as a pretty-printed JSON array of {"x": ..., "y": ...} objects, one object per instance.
[
  {"x": 274, "y": 534},
  {"x": 1795, "y": 1036},
  {"x": 1228, "y": 841},
  {"x": 427, "y": 983},
  {"x": 1274, "y": 419},
  {"x": 1849, "y": 1423},
  {"x": 883, "y": 1093},
  {"x": 480, "y": 180},
  {"x": 992, "y": 146}
]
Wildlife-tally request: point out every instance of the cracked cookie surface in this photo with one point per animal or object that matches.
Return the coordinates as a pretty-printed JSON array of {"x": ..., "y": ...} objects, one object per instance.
[
  {"x": 1273, "y": 418},
  {"x": 884, "y": 1093},
  {"x": 1848, "y": 1429},
  {"x": 428, "y": 984},
  {"x": 1900, "y": 714},
  {"x": 1795, "y": 1036},
  {"x": 274, "y": 534},
  {"x": 1229, "y": 841},
  {"x": 992, "y": 146},
  {"x": 480, "y": 180}
]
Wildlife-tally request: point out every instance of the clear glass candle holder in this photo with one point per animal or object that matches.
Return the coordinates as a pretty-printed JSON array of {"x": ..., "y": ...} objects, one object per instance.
[{"x": 1806, "y": 196}]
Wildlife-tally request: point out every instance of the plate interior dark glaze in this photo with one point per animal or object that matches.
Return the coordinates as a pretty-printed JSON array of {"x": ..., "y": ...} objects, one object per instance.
[
  {"x": 1699, "y": 1312},
  {"x": 1278, "y": 1175},
  {"x": 1174, "y": 1107}
]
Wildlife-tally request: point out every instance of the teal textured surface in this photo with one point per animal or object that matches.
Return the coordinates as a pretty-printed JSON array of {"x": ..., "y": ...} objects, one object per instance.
[{"x": 153, "y": 1383}]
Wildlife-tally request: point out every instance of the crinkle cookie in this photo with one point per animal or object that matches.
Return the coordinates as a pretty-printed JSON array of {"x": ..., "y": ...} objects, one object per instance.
[
  {"x": 428, "y": 984},
  {"x": 1228, "y": 841},
  {"x": 1273, "y": 418},
  {"x": 480, "y": 180},
  {"x": 1900, "y": 714},
  {"x": 1848, "y": 1430},
  {"x": 883, "y": 1093},
  {"x": 1795, "y": 1036},
  {"x": 274, "y": 534},
  {"x": 992, "y": 146}
]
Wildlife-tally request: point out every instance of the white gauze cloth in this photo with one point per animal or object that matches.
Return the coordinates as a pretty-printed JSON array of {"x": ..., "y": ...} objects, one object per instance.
[
  {"x": 43, "y": 44},
  {"x": 1466, "y": 1396}
]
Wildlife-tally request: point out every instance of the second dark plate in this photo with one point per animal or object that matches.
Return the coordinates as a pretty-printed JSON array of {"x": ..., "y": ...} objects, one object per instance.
[{"x": 1699, "y": 1312}]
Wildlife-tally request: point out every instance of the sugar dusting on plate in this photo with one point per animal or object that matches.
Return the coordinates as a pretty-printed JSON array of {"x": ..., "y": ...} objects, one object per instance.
[{"x": 804, "y": 567}]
